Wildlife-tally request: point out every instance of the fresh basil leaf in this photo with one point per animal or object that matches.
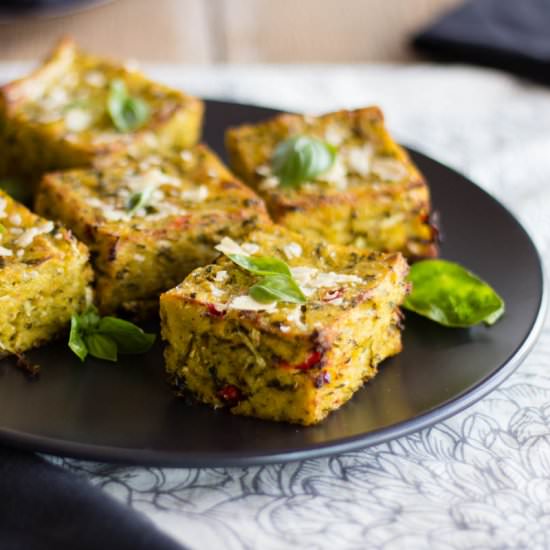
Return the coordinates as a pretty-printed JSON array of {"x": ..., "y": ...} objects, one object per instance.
[
  {"x": 261, "y": 265},
  {"x": 277, "y": 287},
  {"x": 101, "y": 346},
  {"x": 127, "y": 113},
  {"x": 106, "y": 337},
  {"x": 2, "y": 228},
  {"x": 301, "y": 158},
  {"x": 451, "y": 295},
  {"x": 89, "y": 319},
  {"x": 129, "y": 338},
  {"x": 140, "y": 199},
  {"x": 16, "y": 189},
  {"x": 76, "y": 343}
]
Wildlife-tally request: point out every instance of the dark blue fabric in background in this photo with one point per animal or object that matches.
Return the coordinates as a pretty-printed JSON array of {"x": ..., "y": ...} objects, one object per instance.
[
  {"x": 43, "y": 507},
  {"x": 508, "y": 34}
]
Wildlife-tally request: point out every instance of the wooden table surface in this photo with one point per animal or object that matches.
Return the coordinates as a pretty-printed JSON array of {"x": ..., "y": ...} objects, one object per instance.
[{"x": 240, "y": 31}]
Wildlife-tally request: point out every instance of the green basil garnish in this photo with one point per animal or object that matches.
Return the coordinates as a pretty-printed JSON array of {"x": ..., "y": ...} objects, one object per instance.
[
  {"x": 276, "y": 284},
  {"x": 16, "y": 190},
  {"x": 451, "y": 295},
  {"x": 127, "y": 113},
  {"x": 261, "y": 265},
  {"x": 140, "y": 199},
  {"x": 2, "y": 228},
  {"x": 106, "y": 337},
  {"x": 274, "y": 287},
  {"x": 301, "y": 158}
]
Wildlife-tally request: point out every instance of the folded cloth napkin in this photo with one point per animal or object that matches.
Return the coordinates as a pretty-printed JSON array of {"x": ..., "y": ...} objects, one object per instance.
[
  {"x": 509, "y": 34},
  {"x": 43, "y": 507}
]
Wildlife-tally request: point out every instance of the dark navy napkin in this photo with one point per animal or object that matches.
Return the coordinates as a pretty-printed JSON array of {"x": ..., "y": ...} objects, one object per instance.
[
  {"x": 509, "y": 34},
  {"x": 43, "y": 507}
]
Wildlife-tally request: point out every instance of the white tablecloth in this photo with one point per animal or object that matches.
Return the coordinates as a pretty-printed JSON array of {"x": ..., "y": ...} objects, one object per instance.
[{"x": 478, "y": 480}]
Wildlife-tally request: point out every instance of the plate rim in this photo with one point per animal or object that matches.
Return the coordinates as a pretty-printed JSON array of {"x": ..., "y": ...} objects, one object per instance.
[{"x": 438, "y": 413}]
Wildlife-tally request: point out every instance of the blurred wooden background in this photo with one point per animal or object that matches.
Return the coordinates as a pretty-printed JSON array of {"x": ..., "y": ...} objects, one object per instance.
[{"x": 240, "y": 31}]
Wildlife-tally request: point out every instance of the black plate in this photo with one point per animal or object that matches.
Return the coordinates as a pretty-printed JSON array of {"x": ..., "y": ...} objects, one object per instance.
[{"x": 126, "y": 412}]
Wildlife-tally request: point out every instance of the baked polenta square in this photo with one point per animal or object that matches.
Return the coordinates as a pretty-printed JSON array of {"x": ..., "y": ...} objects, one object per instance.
[
  {"x": 232, "y": 343},
  {"x": 340, "y": 177},
  {"x": 44, "y": 278},
  {"x": 77, "y": 106},
  {"x": 150, "y": 220}
]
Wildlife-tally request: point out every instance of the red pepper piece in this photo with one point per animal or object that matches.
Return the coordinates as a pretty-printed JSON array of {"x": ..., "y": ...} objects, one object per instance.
[
  {"x": 211, "y": 308},
  {"x": 230, "y": 394}
]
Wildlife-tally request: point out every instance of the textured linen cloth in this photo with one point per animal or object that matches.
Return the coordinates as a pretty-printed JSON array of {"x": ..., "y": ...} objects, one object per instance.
[{"x": 481, "y": 479}]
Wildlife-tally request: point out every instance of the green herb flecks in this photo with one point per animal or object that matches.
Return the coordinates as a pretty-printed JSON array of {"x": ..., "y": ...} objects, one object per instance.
[
  {"x": 2, "y": 229},
  {"x": 301, "y": 158},
  {"x": 447, "y": 293},
  {"x": 106, "y": 337},
  {"x": 127, "y": 113},
  {"x": 140, "y": 199},
  {"x": 276, "y": 283}
]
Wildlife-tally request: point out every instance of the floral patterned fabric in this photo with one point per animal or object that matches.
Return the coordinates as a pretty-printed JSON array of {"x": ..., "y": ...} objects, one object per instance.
[{"x": 478, "y": 480}]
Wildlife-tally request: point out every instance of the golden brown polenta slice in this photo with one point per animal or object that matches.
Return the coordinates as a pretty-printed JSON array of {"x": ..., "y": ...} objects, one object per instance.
[
  {"x": 284, "y": 361},
  {"x": 149, "y": 220},
  {"x": 44, "y": 278},
  {"x": 58, "y": 116},
  {"x": 372, "y": 197}
]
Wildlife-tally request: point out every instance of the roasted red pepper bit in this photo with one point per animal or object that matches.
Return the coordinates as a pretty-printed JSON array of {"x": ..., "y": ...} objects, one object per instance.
[
  {"x": 211, "y": 308},
  {"x": 312, "y": 360},
  {"x": 180, "y": 222},
  {"x": 230, "y": 395}
]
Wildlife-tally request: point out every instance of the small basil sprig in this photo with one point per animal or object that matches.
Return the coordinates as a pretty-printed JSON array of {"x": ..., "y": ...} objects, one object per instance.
[
  {"x": 106, "y": 337},
  {"x": 301, "y": 158},
  {"x": 451, "y": 295},
  {"x": 127, "y": 113},
  {"x": 276, "y": 283},
  {"x": 276, "y": 287},
  {"x": 16, "y": 190},
  {"x": 140, "y": 199},
  {"x": 2, "y": 228}
]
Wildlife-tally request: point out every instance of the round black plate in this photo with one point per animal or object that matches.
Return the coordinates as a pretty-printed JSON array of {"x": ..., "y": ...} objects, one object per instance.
[{"x": 127, "y": 413}]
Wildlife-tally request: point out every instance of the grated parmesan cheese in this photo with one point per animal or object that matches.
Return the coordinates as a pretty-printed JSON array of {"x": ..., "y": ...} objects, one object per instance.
[
  {"x": 95, "y": 78},
  {"x": 77, "y": 120},
  {"x": 295, "y": 317},
  {"x": 250, "y": 248},
  {"x": 28, "y": 236},
  {"x": 389, "y": 169},
  {"x": 335, "y": 134},
  {"x": 221, "y": 276},
  {"x": 5, "y": 251},
  {"x": 337, "y": 175},
  {"x": 247, "y": 303},
  {"x": 359, "y": 159},
  {"x": 229, "y": 246},
  {"x": 310, "y": 279},
  {"x": 198, "y": 194},
  {"x": 15, "y": 219},
  {"x": 292, "y": 250}
]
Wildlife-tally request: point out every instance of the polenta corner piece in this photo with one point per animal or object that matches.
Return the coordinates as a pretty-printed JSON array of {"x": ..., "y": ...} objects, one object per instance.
[
  {"x": 150, "y": 220},
  {"x": 281, "y": 327},
  {"x": 44, "y": 278},
  {"x": 340, "y": 177},
  {"x": 77, "y": 106}
]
